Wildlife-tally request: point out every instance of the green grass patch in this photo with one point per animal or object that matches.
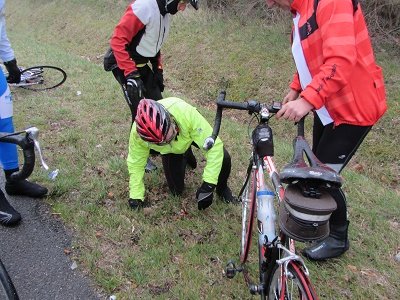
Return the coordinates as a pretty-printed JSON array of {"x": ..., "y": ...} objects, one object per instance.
[{"x": 171, "y": 250}]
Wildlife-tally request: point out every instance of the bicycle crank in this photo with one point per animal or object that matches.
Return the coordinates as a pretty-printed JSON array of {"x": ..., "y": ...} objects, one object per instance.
[{"x": 231, "y": 270}]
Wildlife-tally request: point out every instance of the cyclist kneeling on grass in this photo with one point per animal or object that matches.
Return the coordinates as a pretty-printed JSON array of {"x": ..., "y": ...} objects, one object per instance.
[{"x": 170, "y": 126}]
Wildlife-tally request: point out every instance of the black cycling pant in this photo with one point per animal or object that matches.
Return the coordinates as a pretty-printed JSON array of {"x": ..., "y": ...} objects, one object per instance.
[
  {"x": 152, "y": 89},
  {"x": 335, "y": 146},
  {"x": 174, "y": 169}
]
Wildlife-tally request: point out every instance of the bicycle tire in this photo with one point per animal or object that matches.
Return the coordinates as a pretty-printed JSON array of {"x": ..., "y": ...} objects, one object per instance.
[
  {"x": 7, "y": 288},
  {"x": 44, "y": 78},
  {"x": 295, "y": 286},
  {"x": 248, "y": 199}
]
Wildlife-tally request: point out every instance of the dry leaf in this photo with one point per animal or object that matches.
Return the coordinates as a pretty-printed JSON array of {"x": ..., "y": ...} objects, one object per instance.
[
  {"x": 352, "y": 268},
  {"x": 358, "y": 167}
]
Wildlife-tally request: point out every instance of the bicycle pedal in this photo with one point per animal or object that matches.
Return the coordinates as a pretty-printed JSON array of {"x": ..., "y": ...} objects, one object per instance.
[
  {"x": 231, "y": 270},
  {"x": 256, "y": 289}
]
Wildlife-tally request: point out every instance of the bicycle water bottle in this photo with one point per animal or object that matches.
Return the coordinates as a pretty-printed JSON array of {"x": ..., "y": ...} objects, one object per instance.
[{"x": 266, "y": 215}]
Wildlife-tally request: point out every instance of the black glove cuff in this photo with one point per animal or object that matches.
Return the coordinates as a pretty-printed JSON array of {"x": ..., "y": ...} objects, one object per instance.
[
  {"x": 12, "y": 63},
  {"x": 208, "y": 186}
]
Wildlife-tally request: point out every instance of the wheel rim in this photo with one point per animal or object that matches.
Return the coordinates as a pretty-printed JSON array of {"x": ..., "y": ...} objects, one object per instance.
[
  {"x": 293, "y": 286},
  {"x": 40, "y": 78},
  {"x": 248, "y": 210}
]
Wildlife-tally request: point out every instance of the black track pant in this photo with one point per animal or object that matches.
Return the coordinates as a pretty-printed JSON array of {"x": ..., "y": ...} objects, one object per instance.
[
  {"x": 174, "y": 169},
  {"x": 152, "y": 89},
  {"x": 335, "y": 147}
]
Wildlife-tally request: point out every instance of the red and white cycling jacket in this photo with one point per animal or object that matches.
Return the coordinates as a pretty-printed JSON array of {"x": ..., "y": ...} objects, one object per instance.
[
  {"x": 338, "y": 53},
  {"x": 139, "y": 35}
]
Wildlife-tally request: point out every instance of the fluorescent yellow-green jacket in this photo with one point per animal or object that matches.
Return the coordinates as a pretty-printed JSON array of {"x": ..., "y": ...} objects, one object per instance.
[{"x": 193, "y": 127}]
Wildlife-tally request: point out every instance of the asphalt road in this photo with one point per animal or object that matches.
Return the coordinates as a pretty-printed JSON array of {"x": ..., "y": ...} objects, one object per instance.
[{"x": 33, "y": 254}]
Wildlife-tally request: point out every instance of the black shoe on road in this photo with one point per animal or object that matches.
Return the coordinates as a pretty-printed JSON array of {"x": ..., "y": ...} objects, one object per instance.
[
  {"x": 8, "y": 215},
  {"x": 25, "y": 188}
]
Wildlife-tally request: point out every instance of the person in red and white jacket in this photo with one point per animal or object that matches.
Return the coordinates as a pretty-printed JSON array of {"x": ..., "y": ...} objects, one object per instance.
[
  {"x": 135, "y": 53},
  {"x": 338, "y": 79},
  {"x": 136, "y": 43}
]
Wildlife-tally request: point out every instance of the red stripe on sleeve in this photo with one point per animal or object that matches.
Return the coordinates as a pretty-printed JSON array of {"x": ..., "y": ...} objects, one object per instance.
[{"x": 127, "y": 28}]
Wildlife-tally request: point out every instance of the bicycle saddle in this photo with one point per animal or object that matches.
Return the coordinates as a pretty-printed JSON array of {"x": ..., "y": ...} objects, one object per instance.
[{"x": 315, "y": 171}]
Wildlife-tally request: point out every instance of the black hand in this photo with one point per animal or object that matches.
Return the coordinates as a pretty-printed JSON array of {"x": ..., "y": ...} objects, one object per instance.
[{"x": 205, "y": 195}]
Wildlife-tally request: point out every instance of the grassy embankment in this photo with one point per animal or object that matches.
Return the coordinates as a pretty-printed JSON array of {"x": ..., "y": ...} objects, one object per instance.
[{"x": 172, "y": 251}]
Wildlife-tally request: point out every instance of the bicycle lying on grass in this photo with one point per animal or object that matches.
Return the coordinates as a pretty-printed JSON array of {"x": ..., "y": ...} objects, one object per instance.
[
  {"x": 304, "y": 207},
  {"x": 27, "y": 140},
  {"x": 40, "y": 78}
]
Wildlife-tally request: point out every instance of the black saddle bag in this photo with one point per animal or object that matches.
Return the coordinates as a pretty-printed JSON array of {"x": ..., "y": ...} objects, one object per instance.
[
  {"x": 305, "y": 218},
  {"x": 109, "y": 62}
]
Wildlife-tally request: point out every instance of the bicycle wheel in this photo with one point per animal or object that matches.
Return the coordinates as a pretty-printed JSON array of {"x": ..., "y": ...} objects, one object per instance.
[
  {"x": 248, "y": 198},
  {"x": 291, "y": 285},
  {"x": 40, "y": 78},
  {"x": 7, "y": 289}
]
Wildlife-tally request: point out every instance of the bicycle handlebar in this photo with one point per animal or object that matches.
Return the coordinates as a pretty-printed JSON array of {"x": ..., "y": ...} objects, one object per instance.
[
  {"x": 27, "y": 143},
  {"x": 209, "y": 142},
  {"x": 252, "y": 106}
]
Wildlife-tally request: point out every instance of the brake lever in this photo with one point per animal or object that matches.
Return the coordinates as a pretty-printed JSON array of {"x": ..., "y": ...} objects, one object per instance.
[{"x": 33, "y": 133}]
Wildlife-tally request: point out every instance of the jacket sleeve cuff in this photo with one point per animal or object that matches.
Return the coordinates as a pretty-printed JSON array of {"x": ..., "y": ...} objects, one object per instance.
[
  {"x": 131, "y": 70},
  {"x": 311, "y": 95},
  {"x": 295, "y": 84}
]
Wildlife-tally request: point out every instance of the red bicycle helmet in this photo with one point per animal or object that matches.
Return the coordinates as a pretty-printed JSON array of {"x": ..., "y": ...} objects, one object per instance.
[{"x": 152, "y": 121}]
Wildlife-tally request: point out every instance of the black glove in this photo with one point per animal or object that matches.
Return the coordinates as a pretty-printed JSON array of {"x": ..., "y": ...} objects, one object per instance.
[
  {"x": 159, "y": 79},
  {"x": 14, "y": 73},
  {"x": 137, "y": 203},
  {"x": 205, "y": 195},
  {"x": 134, "y": 86}
]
